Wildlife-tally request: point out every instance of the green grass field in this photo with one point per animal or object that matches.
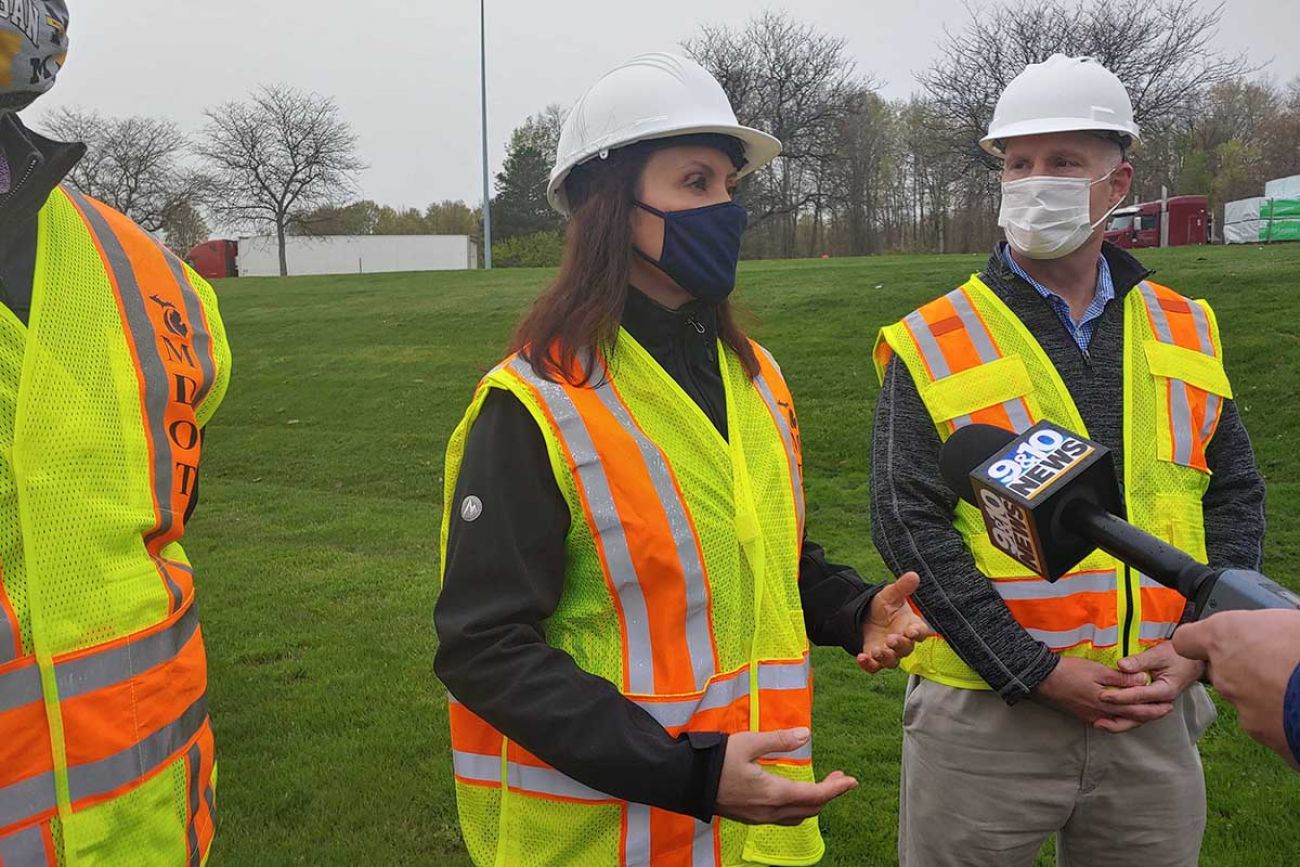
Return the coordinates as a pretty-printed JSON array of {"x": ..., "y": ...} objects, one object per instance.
[{"x": 316, "y": 540}]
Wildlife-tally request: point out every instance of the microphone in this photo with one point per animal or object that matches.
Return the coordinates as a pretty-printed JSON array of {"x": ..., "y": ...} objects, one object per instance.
[{"x": 1049, "y": 498}]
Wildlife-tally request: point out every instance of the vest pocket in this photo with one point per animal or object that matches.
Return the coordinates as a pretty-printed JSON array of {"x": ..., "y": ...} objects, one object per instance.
[
  {"x": 998, "y": 392},
  {"x": 1191, "y": 388}
]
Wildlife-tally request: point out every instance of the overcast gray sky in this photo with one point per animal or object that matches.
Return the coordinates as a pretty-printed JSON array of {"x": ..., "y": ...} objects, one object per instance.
[{"x": 406, "y": 74}]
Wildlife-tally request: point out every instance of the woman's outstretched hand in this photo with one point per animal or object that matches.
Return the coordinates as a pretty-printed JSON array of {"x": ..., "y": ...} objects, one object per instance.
[{"x": 892, "y": 628}]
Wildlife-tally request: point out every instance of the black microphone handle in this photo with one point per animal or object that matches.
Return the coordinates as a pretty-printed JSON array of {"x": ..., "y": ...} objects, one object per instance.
[{"x": 1151, "y": 556}]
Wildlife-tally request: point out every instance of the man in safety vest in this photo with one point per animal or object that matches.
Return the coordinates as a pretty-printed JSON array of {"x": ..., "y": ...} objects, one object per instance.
[
  {"x": 112, "y": 359},
  {"x": 1058, "y": 326}
]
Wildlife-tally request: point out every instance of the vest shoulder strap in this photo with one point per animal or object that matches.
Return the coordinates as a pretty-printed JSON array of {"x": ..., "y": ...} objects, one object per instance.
[
  {"x": 955, "y": 349},
  {"x": 1183, "y": 341},
  {"x": 160, "y": 293}
]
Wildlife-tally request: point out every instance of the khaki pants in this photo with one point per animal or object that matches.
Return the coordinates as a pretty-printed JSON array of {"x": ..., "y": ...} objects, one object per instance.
[{"x": 984, "y": 784}]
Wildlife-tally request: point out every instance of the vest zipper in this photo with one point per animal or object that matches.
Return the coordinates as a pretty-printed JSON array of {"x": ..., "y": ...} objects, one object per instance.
[
  {"x": 689, "y": 372},
  {"x": 18, "y": 185},
  {"x": 1128, "y": 611}
]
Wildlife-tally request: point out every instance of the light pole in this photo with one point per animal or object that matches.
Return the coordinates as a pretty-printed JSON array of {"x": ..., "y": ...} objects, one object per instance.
[{"x": 487, "y": 200}]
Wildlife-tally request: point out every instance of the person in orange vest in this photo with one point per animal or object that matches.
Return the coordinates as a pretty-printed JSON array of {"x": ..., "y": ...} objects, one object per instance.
[
  {"x": 112, "y": 359},
  {"x": 628, "y": 591},
  {"x": 1058, "y": 708}
]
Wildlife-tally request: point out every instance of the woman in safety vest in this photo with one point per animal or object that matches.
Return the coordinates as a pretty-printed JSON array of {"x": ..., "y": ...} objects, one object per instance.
[{"x": 628, "y": 591}]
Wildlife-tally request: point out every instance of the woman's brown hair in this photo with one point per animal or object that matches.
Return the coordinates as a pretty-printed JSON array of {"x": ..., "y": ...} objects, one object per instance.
[{"x": 581, "y": 310}]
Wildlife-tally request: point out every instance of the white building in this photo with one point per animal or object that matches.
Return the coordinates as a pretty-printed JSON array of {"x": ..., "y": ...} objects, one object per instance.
[{"x": 357, "y": 254}]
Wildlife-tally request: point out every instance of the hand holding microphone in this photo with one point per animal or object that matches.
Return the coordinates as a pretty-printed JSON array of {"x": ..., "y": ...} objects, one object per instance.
[{"x": 1049, "y": 498}]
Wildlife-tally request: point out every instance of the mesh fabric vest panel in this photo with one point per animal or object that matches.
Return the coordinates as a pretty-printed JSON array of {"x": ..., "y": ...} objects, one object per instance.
[
  {"x": 590, "y": 624},
  {"x": 77, "y": 502},
  {"x": 1109, "y": 597}
]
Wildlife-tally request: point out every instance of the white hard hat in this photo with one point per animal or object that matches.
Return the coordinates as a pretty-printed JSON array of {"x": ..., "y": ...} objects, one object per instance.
[
  {"x": 1061, "y": 94},
  {"x": 653, "y": 96}
]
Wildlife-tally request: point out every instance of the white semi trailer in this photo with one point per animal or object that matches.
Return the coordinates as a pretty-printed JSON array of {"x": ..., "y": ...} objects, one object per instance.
[{"x": 357, "y": 254}]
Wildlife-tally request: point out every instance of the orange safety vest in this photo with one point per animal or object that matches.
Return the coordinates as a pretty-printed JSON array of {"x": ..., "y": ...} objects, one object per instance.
[
  {"x": 665, "y": 566},
  {"x": 106, "y": 752},
  {"x": 975, "y": 363}
]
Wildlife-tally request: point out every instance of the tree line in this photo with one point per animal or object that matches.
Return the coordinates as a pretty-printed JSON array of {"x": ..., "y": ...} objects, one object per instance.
[
  {"x": 863, "y": 174},
  {"x": 860, "y": 173}
]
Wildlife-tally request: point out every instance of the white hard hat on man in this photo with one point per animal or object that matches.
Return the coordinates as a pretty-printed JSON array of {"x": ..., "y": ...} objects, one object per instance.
[{"x": 1062, "y": 94}]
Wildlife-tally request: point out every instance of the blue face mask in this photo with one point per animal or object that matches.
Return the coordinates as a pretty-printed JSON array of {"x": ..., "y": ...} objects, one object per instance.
[{"x": 701, "y": 248}]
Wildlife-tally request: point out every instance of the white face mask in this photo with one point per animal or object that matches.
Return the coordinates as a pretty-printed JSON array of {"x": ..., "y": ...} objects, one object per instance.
[{"x": 1047, "y": 217}]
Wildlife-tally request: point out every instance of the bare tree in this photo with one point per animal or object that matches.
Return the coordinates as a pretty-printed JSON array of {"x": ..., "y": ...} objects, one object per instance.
[
  {"x": 798, "y": 84},
  {"x": 1163, "y": 52},
  {"x": 279, "y": 154},
  {"x": 134, "y": 164}
]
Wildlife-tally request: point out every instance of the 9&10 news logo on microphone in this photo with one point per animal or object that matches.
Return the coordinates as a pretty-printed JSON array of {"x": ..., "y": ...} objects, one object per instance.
[
  {"x": 1009, "y": 484},
  {"x": 1037, "y": 460}
]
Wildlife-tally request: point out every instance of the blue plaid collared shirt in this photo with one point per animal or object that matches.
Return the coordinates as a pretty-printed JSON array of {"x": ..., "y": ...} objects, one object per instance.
[{"x": 1082, "y": 330}]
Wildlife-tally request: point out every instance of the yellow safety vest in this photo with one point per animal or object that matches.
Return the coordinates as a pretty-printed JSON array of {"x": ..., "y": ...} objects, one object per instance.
[
  {"x": 106, "y": 753},
  {"x": 681, "y": 590},
  {"x": 974, "y": 361}
]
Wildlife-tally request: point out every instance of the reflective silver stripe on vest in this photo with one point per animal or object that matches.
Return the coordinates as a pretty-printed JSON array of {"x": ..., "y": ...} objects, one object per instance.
[
  {"x": 1059, "y": 640},
  {"x": 8, "y": 637},
  {"x": 782, "y": 422},
  {"x": 477, "y": 767},
  {"x": 804, "y": 753},
  {"x": 20, "y": 687},
  {"x": 636, "y": 846},
  {"x": 988, "y": 352},
  {"x": 699, "y": 633},
  {"x": 134, "y": 762},
  {"x": 702, "y": 847},
  {"x": 27, "y": 798},
  {"x": 784, "y": 675},
  {"x": 609, "y": 525},
  {"x": 157, "y": 386},
  {"x": 1212, "y": 400},
  {"x": 929, "y": 347},
  {"x": 1085, "y": 582},
  {"x": 88, "y": 673},
  {"x": 1180, "y": 407},
  {"x": 787, "y": 676},
  {"x": 723, "y": 691},
  {"x": 1155, "y": 630},
  {"x": 548, "y": 781},
  {"x": 210, "y": 798},
  {"x": 192, "y": 833},
  {"x": 26, "y": 848}
]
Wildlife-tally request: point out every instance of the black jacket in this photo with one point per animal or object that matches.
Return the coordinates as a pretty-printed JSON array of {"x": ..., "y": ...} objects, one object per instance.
[
  {"x": 912, "y": 507},
  {"x": 505, "y": 573},
  {"x": 36, "y": 166}
]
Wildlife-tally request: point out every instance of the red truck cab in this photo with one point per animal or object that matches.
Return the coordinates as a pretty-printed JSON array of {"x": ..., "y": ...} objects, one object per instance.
[
  {"x": 215, "y": 259},
  {"x": 1139, "y": 225}
]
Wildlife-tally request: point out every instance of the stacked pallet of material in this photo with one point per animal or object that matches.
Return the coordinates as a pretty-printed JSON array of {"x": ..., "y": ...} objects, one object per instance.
[
  {"x": 1283, "y": 217},
  {"x": 1263, "y": 219},
  {"x": 1241, "y": 221}
]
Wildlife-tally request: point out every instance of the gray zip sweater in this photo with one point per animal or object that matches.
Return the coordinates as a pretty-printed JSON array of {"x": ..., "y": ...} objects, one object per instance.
[{"x": 912, "y": 507}]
